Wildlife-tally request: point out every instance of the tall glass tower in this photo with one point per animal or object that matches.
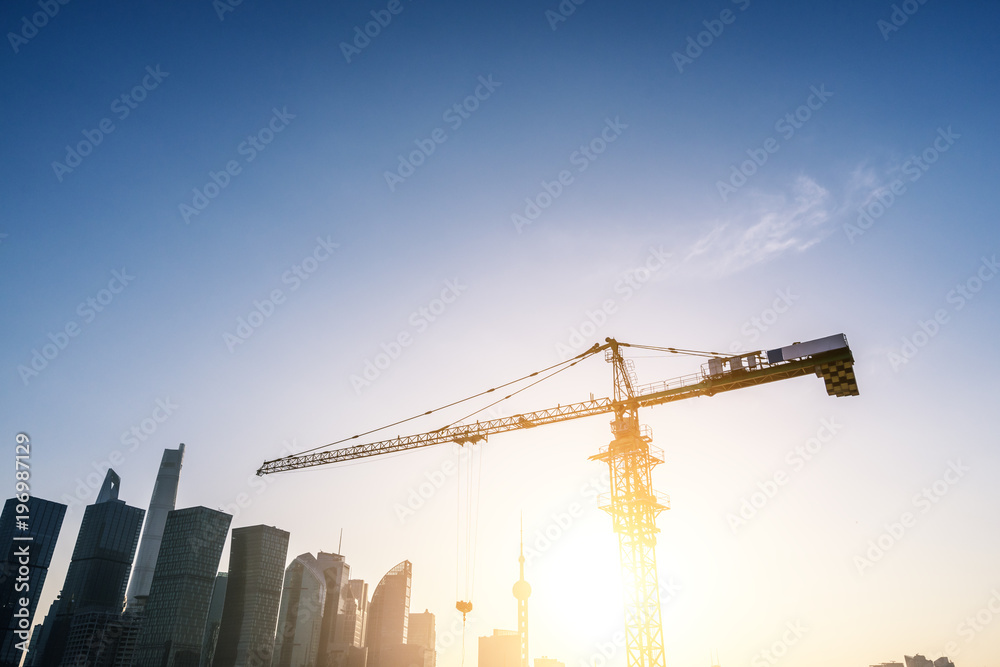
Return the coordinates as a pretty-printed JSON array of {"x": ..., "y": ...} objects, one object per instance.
[
  {"x": 176, "y": 612},
  {"x": 94, "y": 590},
  {"x": 162, "y": 501},
  {"x": 253, "y": 594},
  {"x": 300, "y": 619},
  {"x": 44, "y": 521}
]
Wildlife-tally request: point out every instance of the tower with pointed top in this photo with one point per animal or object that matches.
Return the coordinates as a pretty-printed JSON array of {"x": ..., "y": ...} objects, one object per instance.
[{"x": 522, "y": 591}]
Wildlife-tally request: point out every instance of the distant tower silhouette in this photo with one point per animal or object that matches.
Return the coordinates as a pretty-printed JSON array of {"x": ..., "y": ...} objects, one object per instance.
[{"x": 522, "y": 591}]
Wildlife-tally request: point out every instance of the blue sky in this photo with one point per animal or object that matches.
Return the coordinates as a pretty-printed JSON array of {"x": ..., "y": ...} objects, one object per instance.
[{"x": 315, "y": 201}]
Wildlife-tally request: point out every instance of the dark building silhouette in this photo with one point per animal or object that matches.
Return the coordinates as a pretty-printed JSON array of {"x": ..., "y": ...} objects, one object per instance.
[
  {"x": 920, "y": 661},
  {"x": 43, "y": 524},
  {"x": 253, "y": 594},
  {"x": 173, "y": 631},
  {"x": 388, "y": 616},
  {"x": 215, "y": 609},
  {"x": 356, "y": 619},
  {"x": 93, "y": 593}
]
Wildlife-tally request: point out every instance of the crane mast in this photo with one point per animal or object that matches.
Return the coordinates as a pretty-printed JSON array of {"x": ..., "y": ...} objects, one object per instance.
[
  {"x": 633, "y": 507},
  {"x": 630, "y": 456}
]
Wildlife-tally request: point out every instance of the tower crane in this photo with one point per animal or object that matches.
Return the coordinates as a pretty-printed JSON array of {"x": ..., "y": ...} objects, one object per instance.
[{"x": 630, "y": 457}]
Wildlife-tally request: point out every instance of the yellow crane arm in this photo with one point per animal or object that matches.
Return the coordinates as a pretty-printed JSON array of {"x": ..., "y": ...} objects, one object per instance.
[{"x": 826, "y": 357}]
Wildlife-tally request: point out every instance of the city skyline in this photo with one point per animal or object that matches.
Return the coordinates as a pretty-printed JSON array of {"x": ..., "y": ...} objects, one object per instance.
[{"x": 254, "y": 544}]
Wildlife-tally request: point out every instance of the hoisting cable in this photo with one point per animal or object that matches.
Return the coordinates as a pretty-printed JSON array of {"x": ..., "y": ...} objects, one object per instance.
[
  {"x": 472, "y": 493},
  {"x": 572, "y": 361}
]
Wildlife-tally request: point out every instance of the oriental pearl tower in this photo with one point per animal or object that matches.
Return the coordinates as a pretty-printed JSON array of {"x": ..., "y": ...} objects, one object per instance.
[{"x": 522, "y": 591}]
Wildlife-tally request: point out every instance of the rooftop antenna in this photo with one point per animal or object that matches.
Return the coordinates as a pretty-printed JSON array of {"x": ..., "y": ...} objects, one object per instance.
[{"x": 340, "y": 544}]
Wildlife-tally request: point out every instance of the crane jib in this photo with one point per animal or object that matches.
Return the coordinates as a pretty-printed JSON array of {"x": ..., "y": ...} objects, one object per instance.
[{"x": 834, "y": 366}]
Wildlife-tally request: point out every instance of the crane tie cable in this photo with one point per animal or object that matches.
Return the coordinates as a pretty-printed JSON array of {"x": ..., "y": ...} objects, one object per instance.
[
  {"x": 575, "y": 360},
  {"x": 461, "y": 419}
]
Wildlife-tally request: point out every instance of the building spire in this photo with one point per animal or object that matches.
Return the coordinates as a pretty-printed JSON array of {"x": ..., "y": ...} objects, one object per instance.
[{"x": 109, "y": 490}]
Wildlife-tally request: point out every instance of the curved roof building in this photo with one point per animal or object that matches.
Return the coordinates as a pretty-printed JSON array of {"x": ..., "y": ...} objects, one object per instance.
[{"x": 389, "y": 612}]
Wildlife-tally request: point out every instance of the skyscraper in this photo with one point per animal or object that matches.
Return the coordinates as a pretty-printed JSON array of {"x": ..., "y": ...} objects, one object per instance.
[
  {"x": 388, "y": 613},
  {"x": 502, "y": 649},
  {"x": 357, "y": 612},
  {"x": 421, "y": 633},
  {"x": 176, "y": 610},
  {"x": 94, "y": 591},
  {"x": 323, "y": 614},
  {"x": 344, "y": 614},
  {"x": 300, "y": 618},
  {"x": 214, "y": 622},
  {"x": 162, "y": 501},
  {"x": 44, "y": 521},
  {"x": 253, "y": 594}
]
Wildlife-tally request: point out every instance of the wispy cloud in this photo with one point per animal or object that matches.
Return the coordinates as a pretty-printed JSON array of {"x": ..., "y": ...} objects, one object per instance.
[{"x": 772, "y": 224}]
